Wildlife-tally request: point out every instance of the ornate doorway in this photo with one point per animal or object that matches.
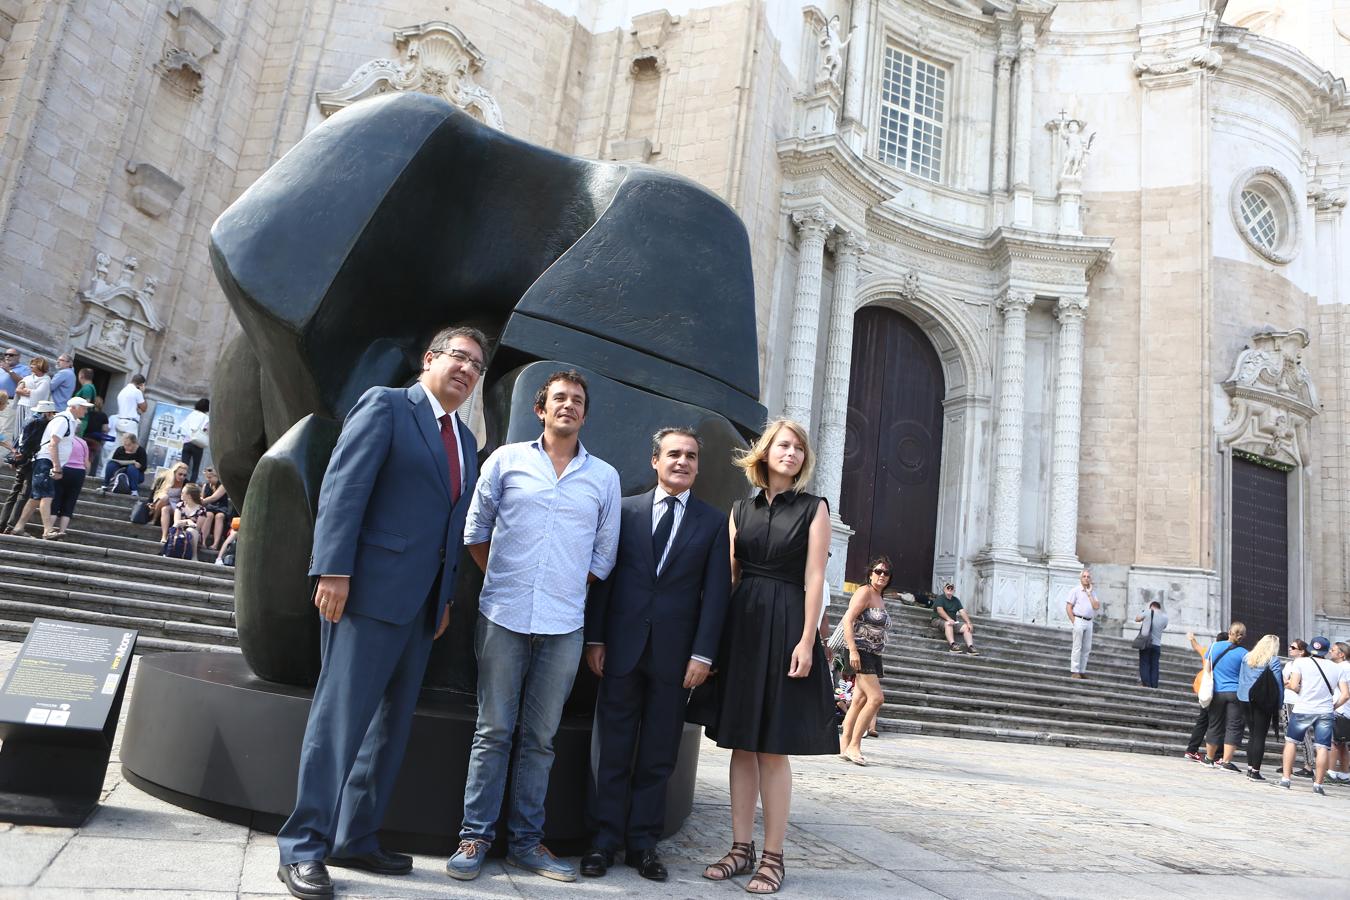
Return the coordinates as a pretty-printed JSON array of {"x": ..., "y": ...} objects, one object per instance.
[
  {"x": 1260, "y": 555},
  {"x": 893, "y": 449}
]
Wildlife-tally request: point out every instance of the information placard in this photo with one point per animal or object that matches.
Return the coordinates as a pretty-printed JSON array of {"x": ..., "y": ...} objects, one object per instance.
[
  {"x": 59, "y": 707},
  {"x": 66, "y": 675}
]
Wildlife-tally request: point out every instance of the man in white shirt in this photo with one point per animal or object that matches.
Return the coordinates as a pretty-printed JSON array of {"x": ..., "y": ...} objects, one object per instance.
[
  {"x": 57, "y": 440},
  {"x": 1322, "y": 688},
  {"x": 1082, "y": 608},
  {"x": 130, "y": 405}
]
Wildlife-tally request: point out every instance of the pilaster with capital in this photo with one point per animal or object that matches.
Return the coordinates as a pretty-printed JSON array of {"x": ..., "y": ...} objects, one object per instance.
[
  {"x": 1068, "y": 423},
  {"x": 1002, "y": 99},
  {"x": 814, "y": 225},
  {"x": 855, "y": 74},
  {"x": 1009, "y": 427}
]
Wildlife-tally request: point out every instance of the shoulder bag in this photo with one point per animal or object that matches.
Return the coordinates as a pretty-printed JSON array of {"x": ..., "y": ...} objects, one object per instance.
[
  {"x": 1145, "y": 636},
  {"x": 1207, "y": 678}
]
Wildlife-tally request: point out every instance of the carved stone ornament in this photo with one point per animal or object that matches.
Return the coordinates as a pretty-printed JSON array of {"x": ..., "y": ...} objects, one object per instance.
[
  {"x": 117, "y": 318},
  {"x": 153, "y": 191},
  {"x": 1271, "y": 398},
  {"x": 437, "y": 59},
  {"x": 193, "y": 38},
  {"x": 1177, "y": 61}
]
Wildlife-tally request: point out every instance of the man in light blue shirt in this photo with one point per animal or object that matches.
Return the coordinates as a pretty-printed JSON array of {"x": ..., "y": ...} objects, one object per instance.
[{"x": 543, "y": 524}]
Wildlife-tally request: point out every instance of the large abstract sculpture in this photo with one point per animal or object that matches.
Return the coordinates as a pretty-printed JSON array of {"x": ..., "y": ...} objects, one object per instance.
[{"x": 401, "y": 215}]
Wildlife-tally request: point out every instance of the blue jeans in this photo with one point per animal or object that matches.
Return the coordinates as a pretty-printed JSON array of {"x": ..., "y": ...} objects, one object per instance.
[
  {"x": 1321, "y": 725},
  {"x": 1149, "y": 659},
  {"x": 134, "y": 475},
  {"x": 525, "y": 677}
]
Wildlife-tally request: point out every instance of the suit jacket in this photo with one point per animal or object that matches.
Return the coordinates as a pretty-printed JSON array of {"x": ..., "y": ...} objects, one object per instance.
[
  {"x": 385, "y": 516},
  {"x": 683, "y": 607}
]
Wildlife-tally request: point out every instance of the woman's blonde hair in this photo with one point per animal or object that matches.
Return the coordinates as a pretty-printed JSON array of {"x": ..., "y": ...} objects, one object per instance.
[
  {"x": 1265, "y": 648},
  {"x": 755, "y": 461},
  {"x": 164, "y": 480}
]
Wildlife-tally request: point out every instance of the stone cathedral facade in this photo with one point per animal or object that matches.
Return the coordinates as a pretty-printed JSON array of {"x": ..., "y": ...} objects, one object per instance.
[{"x": 1052, "y": 284}]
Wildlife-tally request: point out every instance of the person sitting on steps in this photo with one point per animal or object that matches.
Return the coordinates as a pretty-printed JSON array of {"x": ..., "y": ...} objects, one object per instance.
[{"x": 952, "y": 615}]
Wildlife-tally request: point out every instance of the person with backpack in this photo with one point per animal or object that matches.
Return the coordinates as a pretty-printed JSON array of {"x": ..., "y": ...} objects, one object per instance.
[
  {"x": 1261, "y": 693},
  {"x": 1322, "y": 688},
  {"x": 126, "y": 470},
  {"x": 29, "y": 442},
  {"x": 1225, "y": 712},
  {"x": 185, "y": 534},
  {"x": 49, "y": 463}
]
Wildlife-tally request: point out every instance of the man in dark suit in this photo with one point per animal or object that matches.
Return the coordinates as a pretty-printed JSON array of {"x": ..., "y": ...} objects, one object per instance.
[
  {"x": 386, "y": 547},
  {"x": 652, "y": 630}
]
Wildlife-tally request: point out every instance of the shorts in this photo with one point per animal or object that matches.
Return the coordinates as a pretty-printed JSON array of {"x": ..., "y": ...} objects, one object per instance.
[
  {"x": 1322, "y": 725},
  {"x": 43, "y": 485},
  {"x": 870, "y": 664},
  {"x": 1340, "y": 732}
]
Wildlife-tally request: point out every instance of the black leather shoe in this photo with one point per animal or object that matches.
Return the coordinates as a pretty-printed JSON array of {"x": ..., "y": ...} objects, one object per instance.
[
  {"x": 648, "y": 864},
  {"x": 596, "y": 862},
  {"x": 307, "y": 880},
  {"x": 381, "y": 862}
]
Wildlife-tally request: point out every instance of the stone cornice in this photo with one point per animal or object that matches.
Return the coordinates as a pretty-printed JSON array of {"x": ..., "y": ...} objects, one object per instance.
[
  {"x": 1037, "y": 254},
  {"x": 829, "y": 157},
  {"x": 1251, "y": 60}
]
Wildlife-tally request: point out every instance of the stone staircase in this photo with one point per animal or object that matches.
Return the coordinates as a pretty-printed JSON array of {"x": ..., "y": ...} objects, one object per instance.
[
  {"x": 1018, "y": 688},
  {"x": 108, "y": 571}
]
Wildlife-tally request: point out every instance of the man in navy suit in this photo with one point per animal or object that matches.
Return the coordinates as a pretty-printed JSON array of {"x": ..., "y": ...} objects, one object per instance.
[
  {"x": 652, "y": 630},
  {"x": 386, "y": 547}
]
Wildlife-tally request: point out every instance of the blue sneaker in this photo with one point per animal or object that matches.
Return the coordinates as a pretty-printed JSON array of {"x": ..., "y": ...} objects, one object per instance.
[
  {"x": 539, "y": 860},
  {"x": 468, "y": 860}
]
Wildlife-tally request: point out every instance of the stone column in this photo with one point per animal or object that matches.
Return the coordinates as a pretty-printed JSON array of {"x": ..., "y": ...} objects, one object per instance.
[
  {"x": 1002, "y": 98},
  {"x": 1026, "y": 58},
  {"x": 1067, "y": 433},
  {"x": 1008, "y": 429},
  {"x": 814, "y": 225},
  {"x": 848, "y": 250}
]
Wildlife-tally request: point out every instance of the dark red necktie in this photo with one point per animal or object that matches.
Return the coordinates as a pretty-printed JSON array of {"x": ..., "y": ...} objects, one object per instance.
[{"x": 452, "y": 453}]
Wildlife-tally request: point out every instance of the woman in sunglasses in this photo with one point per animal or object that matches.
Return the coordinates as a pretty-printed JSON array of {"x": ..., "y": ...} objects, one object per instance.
[{"x": 864, "y": 628}]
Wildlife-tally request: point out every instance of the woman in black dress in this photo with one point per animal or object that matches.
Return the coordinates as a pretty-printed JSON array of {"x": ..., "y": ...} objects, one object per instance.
[{"x": 773, "y": 691}]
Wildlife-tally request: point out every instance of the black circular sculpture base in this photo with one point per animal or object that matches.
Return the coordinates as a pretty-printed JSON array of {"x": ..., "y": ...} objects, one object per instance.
[{"x": 205, "y": 733}]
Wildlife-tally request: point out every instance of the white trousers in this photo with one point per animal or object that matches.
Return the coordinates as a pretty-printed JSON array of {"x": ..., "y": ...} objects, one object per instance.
[{"x": 1082, "y": 645}]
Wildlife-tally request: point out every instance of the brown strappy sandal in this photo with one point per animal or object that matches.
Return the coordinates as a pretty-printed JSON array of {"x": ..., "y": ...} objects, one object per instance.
[
  {"x": 740, "y": 860},
  {"x": 771, "y": 872}
]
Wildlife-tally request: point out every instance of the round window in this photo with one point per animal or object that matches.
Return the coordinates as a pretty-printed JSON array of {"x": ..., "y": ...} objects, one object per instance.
[{"x": 1264, "y": 214}]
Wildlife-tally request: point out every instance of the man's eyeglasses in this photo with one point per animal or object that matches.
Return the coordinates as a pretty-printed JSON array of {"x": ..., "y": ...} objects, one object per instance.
[
  {"x": 885, "y": 572},
  {"x": 463, "y": 359}
]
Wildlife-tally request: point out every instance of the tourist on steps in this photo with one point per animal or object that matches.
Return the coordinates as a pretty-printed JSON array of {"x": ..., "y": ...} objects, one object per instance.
[
  {"x": 1225, "y": 712},
  {"x": 28, "y": 445},
  {"x": 1202, "y": 717},
  {"x": 1261, "y": 692},
  {"x": 1322, "y": 688},
  {"x": 951, "y": 617},
  {"x": 1152, "y": 622},
  {"x": 864, "y": 626},
  {"x": 1082, "y": 609},
  {"x": 73, "y": 471}
]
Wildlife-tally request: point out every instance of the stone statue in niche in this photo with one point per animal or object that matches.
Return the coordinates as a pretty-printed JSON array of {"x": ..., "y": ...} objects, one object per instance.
[
  {"x": 1076, "y": 149},
  {"x": 832, "y": 51}
]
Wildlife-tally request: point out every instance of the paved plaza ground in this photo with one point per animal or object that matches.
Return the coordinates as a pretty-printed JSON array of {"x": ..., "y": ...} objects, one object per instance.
[{"x": 929, "y": 818}]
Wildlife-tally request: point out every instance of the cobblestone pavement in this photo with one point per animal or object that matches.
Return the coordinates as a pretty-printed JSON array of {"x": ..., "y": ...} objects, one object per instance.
[{"x": 929, "y": 817}]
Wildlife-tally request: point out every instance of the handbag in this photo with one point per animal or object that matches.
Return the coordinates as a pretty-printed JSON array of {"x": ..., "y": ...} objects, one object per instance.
[
  {"x": 1207, "y": 679},
  {"x": 140, "y": 513},
  {"x": 1144, "y": 638},
  {"x": 198, "y": 437}
]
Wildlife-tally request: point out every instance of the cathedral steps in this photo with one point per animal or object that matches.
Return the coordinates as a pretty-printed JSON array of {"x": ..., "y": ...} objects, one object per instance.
[
  {"x": 1018, "y": 688},
  {"x": 108, "y": 571}
]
